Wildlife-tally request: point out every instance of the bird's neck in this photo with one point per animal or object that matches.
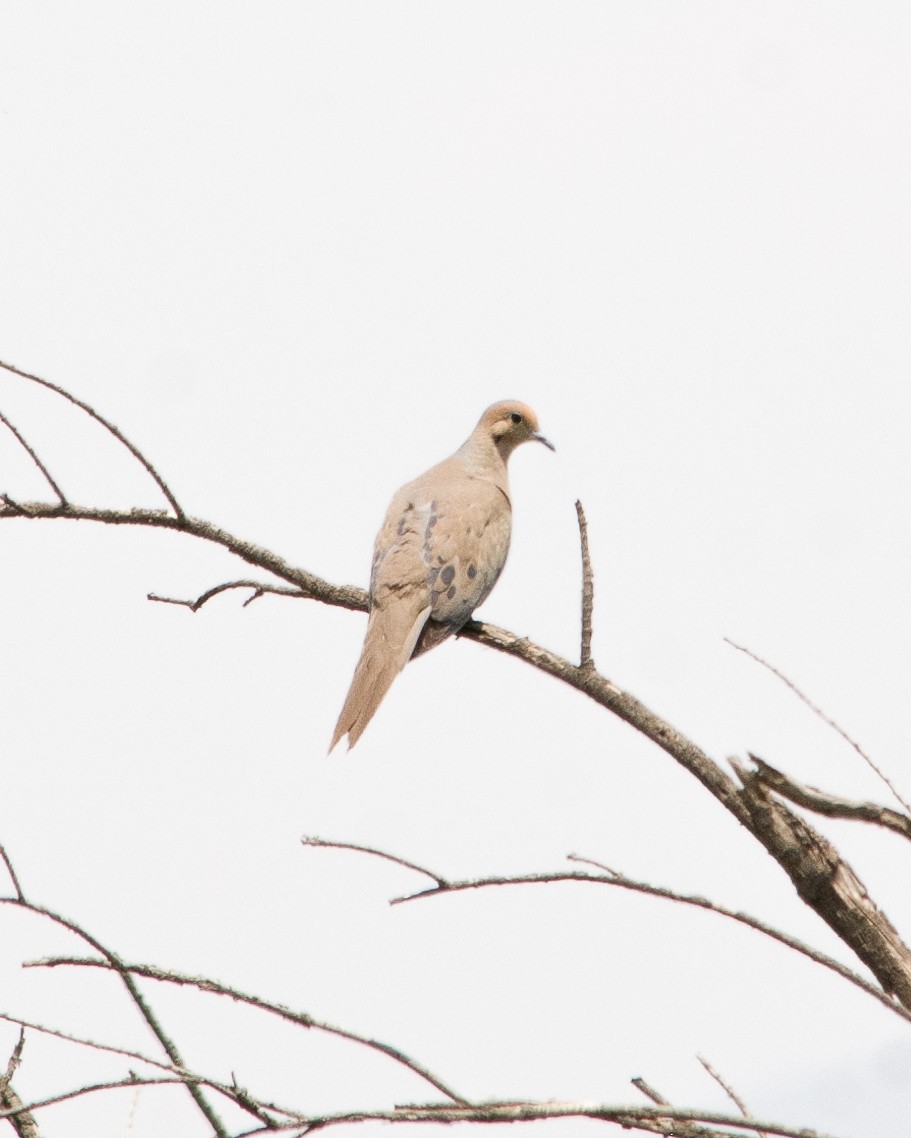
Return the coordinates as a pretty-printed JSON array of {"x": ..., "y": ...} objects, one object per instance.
[{"x": 485, "y": 459}]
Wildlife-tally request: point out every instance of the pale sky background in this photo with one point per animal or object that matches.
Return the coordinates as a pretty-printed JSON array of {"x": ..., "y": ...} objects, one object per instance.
[{"x": 293, "y": 250}]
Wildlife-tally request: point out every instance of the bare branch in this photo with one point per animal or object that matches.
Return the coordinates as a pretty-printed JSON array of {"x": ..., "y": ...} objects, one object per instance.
[
  {"x": 686, "y": 1129},
  {"x": 116, "y": 964},
  {"x": 728, "y": 1090},
  {"x": 109, "y": 426},
  {"x": 4, "y": 857},
  {"x": 302, "y": 1019},
  {"x": 620, "y": 881},
  {"x": 321, "y": 843},
  {"x": 827, "y": 804},
  {"x": 131, "y": 1080},
  {"x": 22, "y": 1120},
  {"x": 588, "y": 592},
  {"x": 309, "y": 585},
  {"x": 597, "y": 864},
  {"x": 827, "y": 883},
  {"x": 827, "y": 719},
  {"x": 243, "y": 1099},
  {"x": 34, "y": 457},
  {"x": 656, "y": 1120},
  {"x": 259, "y": 589},
  {"x": 850, "y": 914},
  {"x": 650, "y": 1093}
]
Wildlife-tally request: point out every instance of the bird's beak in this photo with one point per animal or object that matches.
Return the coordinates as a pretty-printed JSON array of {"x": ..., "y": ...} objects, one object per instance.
[{"x": 547, "y": 442}]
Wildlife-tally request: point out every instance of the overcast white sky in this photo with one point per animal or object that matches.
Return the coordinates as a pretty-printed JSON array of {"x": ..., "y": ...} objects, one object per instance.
[{"x": 293, "y": 250}]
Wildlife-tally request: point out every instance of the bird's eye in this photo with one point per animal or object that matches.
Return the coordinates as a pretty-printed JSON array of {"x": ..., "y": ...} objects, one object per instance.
[{"x": 516, "y": 417}]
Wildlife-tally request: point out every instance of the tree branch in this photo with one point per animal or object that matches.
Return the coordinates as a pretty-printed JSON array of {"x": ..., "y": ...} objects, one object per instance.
[
  {"x": 242, "y": 1099},
  {"x": 259, "y": 589},
  {"x": 728, "y": 1090},
  {"x": 656, "y": 1120},
  {"x": 121, "y": 438},
  {"x": 116, "y": 964},
  {"x": 846, "y": 909},
  {"x": 620, "y": 881},
  {"x": 588, "y": 593},
  {"x": 34, "y": 457},
  {"x": 827, "y": 804},
  {"x": 827, "y": 719},
  {"x": 302, "y": 1019},
  {"x": 21, "y": 1120},
  {"x": 828, "y": 884}
]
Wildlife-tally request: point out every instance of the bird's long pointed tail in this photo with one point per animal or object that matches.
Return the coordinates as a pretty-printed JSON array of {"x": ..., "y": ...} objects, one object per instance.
[{"x": 388, "y": 644}]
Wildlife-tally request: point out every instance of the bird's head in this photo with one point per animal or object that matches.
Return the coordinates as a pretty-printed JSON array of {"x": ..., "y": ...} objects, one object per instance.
[{"x": 509, "y": 424}]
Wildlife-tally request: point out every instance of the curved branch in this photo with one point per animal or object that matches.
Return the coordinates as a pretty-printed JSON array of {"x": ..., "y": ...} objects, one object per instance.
[
  {"x": 309, "y": 586},
  {"x": 656, "y": 1120},
  {"x": 241, "y": 1099},
  {"x": 22, "y": 1121},
  {"x": 621, "y": 881},
  {"x": 321, "y": 843},
  {"x": 259, "y": 590},
  {"x": 116, "y": 964},
  {"x": 109, "y": 426},
  {"x": 302, "y": 1019},
  {"x": 827, "y": 804},
  {"x": 827, "y": 719},
  {"x": 24, "y": 443},
  {"x": 824, "y": 880}
]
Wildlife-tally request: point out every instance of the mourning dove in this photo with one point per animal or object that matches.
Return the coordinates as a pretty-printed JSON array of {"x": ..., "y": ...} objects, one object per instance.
[{"x": 437, "y": 556}]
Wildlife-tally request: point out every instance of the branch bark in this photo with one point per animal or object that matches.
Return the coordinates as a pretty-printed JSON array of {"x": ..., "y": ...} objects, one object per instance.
[
  {"x": 824, "y": 880},
  {"x": 821, "y": 803}
]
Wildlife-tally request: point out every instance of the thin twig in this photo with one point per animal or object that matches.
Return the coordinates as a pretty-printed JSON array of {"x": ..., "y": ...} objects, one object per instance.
[
  {"x": 851, "y": 915},
  {"x": 821, "y": 803},
  {"x": 728, "y": 1090},
  {"x": 827, "y": 719},
  {"x": 131, "y": 1080},
  {"x": 203, "y": 984},
  {"x": 5, "y": 858},
  {"x": 179, "y": 1072},
  {"x": 321, "y": 843},
  {"x": 115, "y": 431},
  {"x": 259, "y": 589},
  {"x": 34, "y": 457},
  {"x": 22, "y": 1121},
  {"x": 650, "y": 1093},
  {"x": 597, "y": 864},
  {"x": 116, "y": 964},
  {"x": 621, "y": 881},
  {"x": 588, "y": 593}
]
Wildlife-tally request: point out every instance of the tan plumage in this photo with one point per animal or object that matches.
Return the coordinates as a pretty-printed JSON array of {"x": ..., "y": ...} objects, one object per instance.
[{"x": 437, "y": 556}]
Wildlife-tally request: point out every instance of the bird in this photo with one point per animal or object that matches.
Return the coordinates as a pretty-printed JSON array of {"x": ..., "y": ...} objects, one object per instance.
[{"x": 438, "y": 554}]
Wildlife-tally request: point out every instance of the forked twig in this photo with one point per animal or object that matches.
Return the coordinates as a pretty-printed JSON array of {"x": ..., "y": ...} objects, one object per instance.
[
  {"x": 620, "y": 881},
  {"x": 108, "y": 425},
  {"x": 827, "y": 719},
  {"x": 820, "y": 803},
  {"x": 259, "y": 589},
  {"x": 116, "y": 964},
  {"x": 302, "y": 1019},
  {"x": 182, "y": 1073}
]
